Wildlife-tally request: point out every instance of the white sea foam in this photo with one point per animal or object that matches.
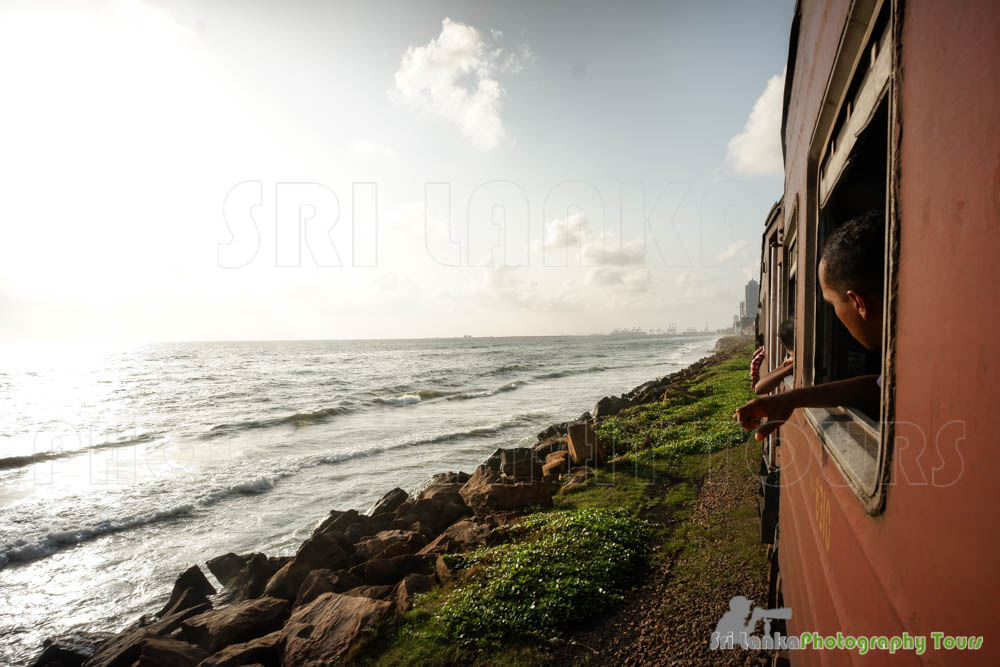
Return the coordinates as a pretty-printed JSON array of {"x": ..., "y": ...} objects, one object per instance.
[{"x": 396, "y": 401}]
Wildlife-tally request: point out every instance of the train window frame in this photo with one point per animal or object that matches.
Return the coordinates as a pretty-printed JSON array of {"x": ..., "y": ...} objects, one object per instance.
[
  {"x": 791, "y": 248},
  {"x": 860, "y": 448}
]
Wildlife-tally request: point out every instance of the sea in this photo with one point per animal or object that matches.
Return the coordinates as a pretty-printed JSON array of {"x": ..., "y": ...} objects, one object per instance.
[{"x": 122, "y": 467}]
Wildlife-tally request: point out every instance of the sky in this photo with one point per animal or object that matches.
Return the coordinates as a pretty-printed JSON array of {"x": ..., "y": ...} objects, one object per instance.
[{"x": 204, "y": 170}]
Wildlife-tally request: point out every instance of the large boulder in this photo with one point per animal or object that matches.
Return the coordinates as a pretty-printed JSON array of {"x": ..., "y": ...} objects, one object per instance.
[
  {"x": 120, "y": 651},
  {"x": 226, "y": 566},
  {"x": 71, "y": 649},
  {"x": 556, "y": 464},
  {"x": 411, "y": 586},
  {"x": 373, "y": 592},
  {"x": 266, "y": 650},
  {"x": 522, "y": 494},
  {"x": 338, "y": 520},
  {"x": 463, "y": 535},
  {"x": 145, "y": 650},
  {"x": 190, "y": 589},
  {"x": 477, "y": 492},
  {"x": 520, "y": 464},
  {"x": 609, "y": 406},
  {"x": 388, "y": 543},
  {"x": 125, "y": 647},
  {"x": 388, "y": 503},
  {"x": 444, "y": 569},
  {"x": 450, "y": 478},
  {"x": 167, "y": 652},
  {"x": 189, "y": 599},
  {"x": 251, "y": 580},
  {"x": 447, "y": 491},
  {"x": 493, "y": 460},
  {"x": 432, "y": 513},
  {"x": 319, "y": 582},
  {"x": 385, "y": 571},
  {"x": 356, "y": 532},
  {"x": 321, "y": 551},
  {"x": 551, "y": 444},
  {"x": 141, "y": 647},
  {"x": 239, "y": 623},
  {"x": 553, "y": 430},
  {"x": 486, "y": 491},
  {"x": 584, "y": 445},
  {"x": 330, "y": 628},
  {"x": 645, "y": 393}
]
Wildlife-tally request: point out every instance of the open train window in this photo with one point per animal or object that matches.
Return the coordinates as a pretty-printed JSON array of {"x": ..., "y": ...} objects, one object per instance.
[
  {"x": 791, "y": 245},
  {"x": 850, "y": 167},
  {"x": 860, "y": 190}
]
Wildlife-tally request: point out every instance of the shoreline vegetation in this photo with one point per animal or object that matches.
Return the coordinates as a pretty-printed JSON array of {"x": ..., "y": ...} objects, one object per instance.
[{"x": 621, "y": 534}]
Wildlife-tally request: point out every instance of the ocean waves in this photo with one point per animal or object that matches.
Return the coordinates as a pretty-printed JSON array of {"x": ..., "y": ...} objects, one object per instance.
[
  {"x": 297, "y": 419},
  {"x": 10, "y": 462},
  {"x": 365, "y": 402},
  {"x": 485, "y": 393},
  {"x": 48, "y": 531},
  {"x": 575, "y": 371},
  {"x": 46, "y": 528}
]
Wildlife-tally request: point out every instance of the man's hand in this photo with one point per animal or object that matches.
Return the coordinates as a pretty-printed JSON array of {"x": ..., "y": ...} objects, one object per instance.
[{"x": 772, "y": 408}]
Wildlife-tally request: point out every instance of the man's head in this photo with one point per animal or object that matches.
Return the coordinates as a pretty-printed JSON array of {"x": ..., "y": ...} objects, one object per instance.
[
  {"x": 850, "y": 275},
  {"x": 786, "y": 333}
]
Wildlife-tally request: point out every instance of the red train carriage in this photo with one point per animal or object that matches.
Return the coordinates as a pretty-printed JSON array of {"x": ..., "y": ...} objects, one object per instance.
[{"x": 890, "y": 523}]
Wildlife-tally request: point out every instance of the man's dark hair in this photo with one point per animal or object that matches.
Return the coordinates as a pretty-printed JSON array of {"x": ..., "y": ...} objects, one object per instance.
[
  {"x": 786, "y": 332},
  {"x": 854, "y": 255},
  {"x": 760, "y": 339}
]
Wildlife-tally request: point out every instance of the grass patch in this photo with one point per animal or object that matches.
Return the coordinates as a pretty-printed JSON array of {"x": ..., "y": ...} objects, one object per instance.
[
  {"x": 560, "y": 566},
  {"x": 563, "y": 566},
  {"x": 696, "y": 420}
]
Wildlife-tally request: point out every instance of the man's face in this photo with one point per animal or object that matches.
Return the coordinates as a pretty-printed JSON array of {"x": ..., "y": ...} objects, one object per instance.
[{"x": 861, "y": 317}]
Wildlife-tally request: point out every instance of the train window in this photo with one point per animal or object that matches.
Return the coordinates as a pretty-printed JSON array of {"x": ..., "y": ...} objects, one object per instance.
[
  {"x": 791, "y": 267},
  {"x": 852, "y": 176},
  {"x": 860, "y": 190}
]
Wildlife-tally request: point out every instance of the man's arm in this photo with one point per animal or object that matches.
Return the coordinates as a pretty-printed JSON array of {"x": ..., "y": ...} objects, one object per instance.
[
  {"x": 861, "y": 392},
  {"x": 774, "y": 378}
]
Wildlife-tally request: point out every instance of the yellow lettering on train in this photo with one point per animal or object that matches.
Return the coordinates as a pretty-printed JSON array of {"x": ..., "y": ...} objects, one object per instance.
[{"x": 821, "y": 510}]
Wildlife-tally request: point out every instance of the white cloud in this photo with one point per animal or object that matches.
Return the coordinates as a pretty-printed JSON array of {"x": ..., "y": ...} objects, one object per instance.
[
  {"x": 604, "y": 275},
  {"x": 564, "y": 233},
  {"x": 596, "y": 249},
  {"x": 613, "y": 261},
  {"x": 732, "y": 250},
  {"x": 756, "y": 150},
  {"x": 607, "y": 248},
  {"x": 454, "y": 76},
  {"x": 613, "y": 276}
]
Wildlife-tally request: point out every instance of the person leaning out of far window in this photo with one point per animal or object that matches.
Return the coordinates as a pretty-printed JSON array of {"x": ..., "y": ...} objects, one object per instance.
[
  {"x": 786, "y": 332},
  {"x": 756, "y": 360}
]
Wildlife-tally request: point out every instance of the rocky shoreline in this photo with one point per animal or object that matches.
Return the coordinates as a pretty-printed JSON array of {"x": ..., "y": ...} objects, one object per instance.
[{"x": 357, "y": 570}]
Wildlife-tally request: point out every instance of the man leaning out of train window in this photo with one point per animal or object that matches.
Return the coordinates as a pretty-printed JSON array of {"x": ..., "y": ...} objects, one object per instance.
[
  {"x": 850, "y": 276},
  {"x": 786, "y": 333}
]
